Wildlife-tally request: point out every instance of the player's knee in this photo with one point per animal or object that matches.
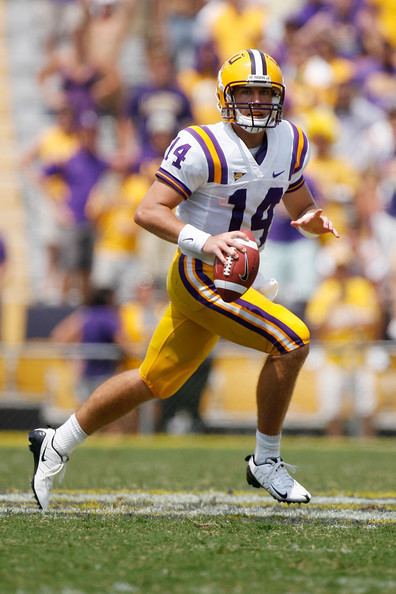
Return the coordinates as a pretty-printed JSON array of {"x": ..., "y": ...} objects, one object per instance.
[
  {"x": 161, "y": 386},
  {"x": 302, "y": 340},
  {"x": 294, "y": 358},
  {"x": 302, "y": 352}
]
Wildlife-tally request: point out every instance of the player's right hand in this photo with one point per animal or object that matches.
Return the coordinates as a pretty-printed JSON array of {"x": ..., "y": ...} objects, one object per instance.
[{"x": 225, "y": 244}]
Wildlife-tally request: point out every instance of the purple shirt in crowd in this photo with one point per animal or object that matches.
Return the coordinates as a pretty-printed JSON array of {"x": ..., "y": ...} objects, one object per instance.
[
  {"x": 391, "y": 207},
  {"x": 100, "y": 326},
  {"x": 148, "y": 100},
  {"x": 79, "y": 93},
  {"x": 80, "y": 173},
  {"x": 3, "y": 251}
]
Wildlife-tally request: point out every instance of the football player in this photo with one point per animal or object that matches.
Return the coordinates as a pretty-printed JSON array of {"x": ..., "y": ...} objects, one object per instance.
[{"x": 222, "y": 178}]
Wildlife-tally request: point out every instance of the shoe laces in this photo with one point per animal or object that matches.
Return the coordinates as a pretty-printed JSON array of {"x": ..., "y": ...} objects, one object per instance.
[{"x": 280, "y": 471}]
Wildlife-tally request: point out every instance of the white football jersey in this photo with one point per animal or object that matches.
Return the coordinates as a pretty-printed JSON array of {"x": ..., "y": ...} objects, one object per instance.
[{"x": 225, "y": 187}]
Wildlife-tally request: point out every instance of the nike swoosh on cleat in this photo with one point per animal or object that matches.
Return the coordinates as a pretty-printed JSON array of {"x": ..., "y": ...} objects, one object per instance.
[
  {"x": 277, "y": 173},
  {"x": 283, "y": 495},
  {"x": 188, "y": 239},
  {"x": 43, "y": 459}
]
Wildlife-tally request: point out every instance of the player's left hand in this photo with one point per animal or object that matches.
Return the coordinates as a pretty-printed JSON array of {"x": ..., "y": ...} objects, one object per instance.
[{"x": 314, "y": 221}]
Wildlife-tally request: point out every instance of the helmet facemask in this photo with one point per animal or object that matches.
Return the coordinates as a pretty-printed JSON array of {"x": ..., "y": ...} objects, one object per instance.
[{"x": 249, "y": 121}]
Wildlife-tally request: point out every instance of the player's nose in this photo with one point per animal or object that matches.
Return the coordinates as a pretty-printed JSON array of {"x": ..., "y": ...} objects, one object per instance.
[{"x": 261, "y": 95}]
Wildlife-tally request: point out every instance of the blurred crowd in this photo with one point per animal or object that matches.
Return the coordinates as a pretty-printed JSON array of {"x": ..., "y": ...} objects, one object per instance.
[{"x": 112, "y": 119}]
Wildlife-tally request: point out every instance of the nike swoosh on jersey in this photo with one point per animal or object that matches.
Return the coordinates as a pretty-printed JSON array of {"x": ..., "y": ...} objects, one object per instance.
[
  {"x": 277, "y": 173},
  {"x": 43, "y": 459}
]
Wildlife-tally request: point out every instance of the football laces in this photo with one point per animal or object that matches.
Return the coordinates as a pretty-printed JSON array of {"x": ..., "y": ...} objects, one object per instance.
[{"x": 228, "y": 265}]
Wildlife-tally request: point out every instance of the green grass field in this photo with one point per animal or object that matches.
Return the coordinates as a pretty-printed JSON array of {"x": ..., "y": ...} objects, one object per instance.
[{"x": 175, "y": 516}]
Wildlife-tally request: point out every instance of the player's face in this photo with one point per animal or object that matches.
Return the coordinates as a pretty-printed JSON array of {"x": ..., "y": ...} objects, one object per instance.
[{"x": 255, "y": 97}]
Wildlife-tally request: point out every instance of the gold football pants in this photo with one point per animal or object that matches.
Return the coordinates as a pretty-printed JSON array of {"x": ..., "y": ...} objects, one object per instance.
[{"x": 197, "y": 317}]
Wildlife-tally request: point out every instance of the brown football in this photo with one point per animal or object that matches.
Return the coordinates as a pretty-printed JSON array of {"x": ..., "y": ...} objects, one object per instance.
[{"x": 234, "y": 278}]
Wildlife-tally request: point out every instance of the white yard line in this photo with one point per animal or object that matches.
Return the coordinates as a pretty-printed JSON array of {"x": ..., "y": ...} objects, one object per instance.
[
  {"x": 184, "y": 498},
  {"x": 192, "y": 505}
]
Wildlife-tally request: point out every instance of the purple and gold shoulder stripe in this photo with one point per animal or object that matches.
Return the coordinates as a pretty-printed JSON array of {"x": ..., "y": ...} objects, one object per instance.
[
  {"x": 296, "y": 185},
  {"x": 299, "y": 149},
  {"x": 173, "y": 182},
  {"x": 214, "y": 154}
]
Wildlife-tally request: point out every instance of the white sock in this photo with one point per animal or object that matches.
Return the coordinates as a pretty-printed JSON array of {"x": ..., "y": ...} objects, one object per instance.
[
  {"x": 267, "y": 446},
  {"x": 68, "y": 436}
]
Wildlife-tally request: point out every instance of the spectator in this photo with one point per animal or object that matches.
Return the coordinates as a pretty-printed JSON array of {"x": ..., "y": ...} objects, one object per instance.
[
  {"x": 62, "y": 17},
  {"x": 161, "y": 93},
  {"x": 373, "y": 248},
  {"x": 116, "y": 250},
  {"x": 379, "y": 145},
  {"x": 384, "y": 222},
  {"x": 96, "y": 323},
  {"x": 199, "y": 81},
  {"x": 355, "y": 116},
  {"x": 176, "y": 20},
  {"x": 81, "y": 83},
  {"x": 378, "y": 76},
  {"x": 345, "y": 313},
  {"x": 154, "y": 256},
  {"x": 139, "y": 316},
  {"x": 81, "y": 173},
  {"x": 307, "y": 10},
  {"x": 107, "y": 27},
  {"x": 336, "y": 178},
  {"x": 232, "y": 25},
  {"x": 378, "y": 188},
  {"x": 56, "y": 144},
  {"x": 323, "y": 66}
]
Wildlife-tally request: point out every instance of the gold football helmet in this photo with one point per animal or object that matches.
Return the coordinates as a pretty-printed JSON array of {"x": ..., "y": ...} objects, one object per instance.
[{"x": 250, "y": 67}]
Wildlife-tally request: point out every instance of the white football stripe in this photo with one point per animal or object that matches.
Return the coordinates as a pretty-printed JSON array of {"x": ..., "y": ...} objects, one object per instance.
[
  {"x": 247, "y": 242},
  {"x": 230, "y": 286}
]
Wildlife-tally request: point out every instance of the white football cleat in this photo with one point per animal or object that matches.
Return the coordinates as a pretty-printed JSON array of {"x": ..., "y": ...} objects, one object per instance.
[
  {"x": 273, "y": 476},
  {"x": 47, "y": 464}
]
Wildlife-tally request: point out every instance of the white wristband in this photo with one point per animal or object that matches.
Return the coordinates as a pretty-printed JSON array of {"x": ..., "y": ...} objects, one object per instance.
[{"x": 191, "y": 240}]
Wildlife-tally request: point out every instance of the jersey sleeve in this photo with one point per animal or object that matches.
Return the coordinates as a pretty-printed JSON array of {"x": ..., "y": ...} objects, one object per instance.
[
  {"x": 184, "y": 167},
  {"x": 300, "y": 158}
]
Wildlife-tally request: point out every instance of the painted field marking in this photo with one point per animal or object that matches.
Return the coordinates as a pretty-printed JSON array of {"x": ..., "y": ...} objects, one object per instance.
[{"x": 182, "y": 504}]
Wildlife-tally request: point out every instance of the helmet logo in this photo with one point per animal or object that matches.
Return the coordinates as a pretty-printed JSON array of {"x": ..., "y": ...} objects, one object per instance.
[
  {"x": 235, "y": 58},
  {"x": 259, "y": 78}
]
